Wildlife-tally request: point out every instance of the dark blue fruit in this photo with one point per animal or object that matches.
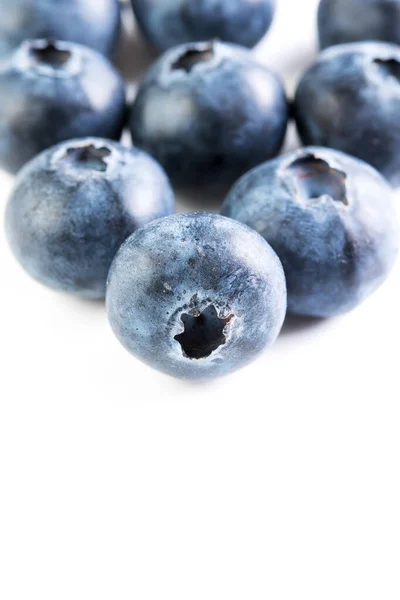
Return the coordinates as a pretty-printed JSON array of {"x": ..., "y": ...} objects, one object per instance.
[
  {"x": 350, "y": 100},
  {"x": 330, "y": 218},
  {"x": 208, "y": 112},
  {"x": 74, "y": 205},
  {"x": 196, "y": 295},
  {"x": 54, "y": 91},
  {"x": 95, "y": 23},
  {"x": 169, "y": 23},
  {"x": 345, "y": 21}
]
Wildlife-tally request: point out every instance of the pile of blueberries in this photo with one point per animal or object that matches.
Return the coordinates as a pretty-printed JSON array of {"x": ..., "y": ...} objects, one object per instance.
[{"x": 197, "y": 295}]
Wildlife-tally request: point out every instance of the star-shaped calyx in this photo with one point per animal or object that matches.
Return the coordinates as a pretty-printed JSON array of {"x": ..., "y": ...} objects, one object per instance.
[{"x": 202, "y": 334}]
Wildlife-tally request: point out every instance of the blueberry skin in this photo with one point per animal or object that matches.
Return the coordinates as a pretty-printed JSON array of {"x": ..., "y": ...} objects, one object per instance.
[
  {"x": 330, "y": 218},
  {"x": 94, "y": 23},
  {"x": 208, "y": 112},
  {"x": 74, "y": 205},
  {"x": 167, "y": 24},
  {"x": 350, "y": 100},
  {"x": 345, "y": 21},
  {"x": 51, "y": 92},
  {"x": 196, "y": 295}
]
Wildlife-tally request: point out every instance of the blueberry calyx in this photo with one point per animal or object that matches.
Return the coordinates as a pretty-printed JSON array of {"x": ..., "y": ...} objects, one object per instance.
[
  {"x": 389, "y": 67},
  {"x": 50, "y": 55},
  {"x": 194, "y": 56},
  {"x": 203, "y": 333},
  {"x": 88, "y": 157},
  {"x": 315, "y": 178}
]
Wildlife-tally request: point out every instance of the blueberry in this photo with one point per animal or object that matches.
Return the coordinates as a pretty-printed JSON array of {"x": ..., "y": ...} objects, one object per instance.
[
  {"x": 196, "y": 295},
  {"x": 350, "y": 100},
  {"x": 74, "y": 205},
  {"x": 95, "y": 23},
  {"x": 167, "y": 24},
  {"x": 330, "y": 218},
  {"x": 208, "y": 112},
  {"x": 54, "y": 91},
  {"x": 345, "y": 21}
]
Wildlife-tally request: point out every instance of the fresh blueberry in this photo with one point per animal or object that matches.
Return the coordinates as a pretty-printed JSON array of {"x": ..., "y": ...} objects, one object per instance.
[
  {"x": 95, "y": 23},
  {"x": 74, "y": 205},
  {"x": 196, "y": 295},
  {"x": 167, "y": 24},
  {"x": 330, "y": 218},
  {"x": 345, "y": 21},
  {"x": 208, "y": 112},
  {"x": 350, "y": 100},
  {"x": 54, "y": 91}
]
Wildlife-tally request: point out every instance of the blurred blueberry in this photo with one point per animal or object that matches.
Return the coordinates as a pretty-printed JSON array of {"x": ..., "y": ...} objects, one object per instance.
[
  {"x": 196, "y": 295},
  {"x": 350, "y": 100},
  {"x": 208, "y": 112},
  {"x": 167, "y": 24},
  {"x": 54, "y": 91},
  {"x": 95, "y": 23},
  {"x": 330, "y": 218},
  {"x": 344, "y": 21},
  {"x": 74, "y": 205}
]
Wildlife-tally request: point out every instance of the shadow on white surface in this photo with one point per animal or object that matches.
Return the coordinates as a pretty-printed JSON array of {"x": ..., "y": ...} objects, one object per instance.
[{"x": 294, "y": 325}]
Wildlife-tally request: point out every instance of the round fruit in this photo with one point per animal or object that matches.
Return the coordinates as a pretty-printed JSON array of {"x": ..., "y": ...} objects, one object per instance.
[
  {"x": 208, "y": 112},
  {"x": 167, "y": 24},
  {"x": 350, "y": 100},
  {"x": 345, "y": 21},
  {"x": 95, "y": 23},
  {"x": 74, "y": 205},
  {"x": 332, "y": 221},
  {"x": 54, "y": 91},
  {"x": 196, "y": 295}
]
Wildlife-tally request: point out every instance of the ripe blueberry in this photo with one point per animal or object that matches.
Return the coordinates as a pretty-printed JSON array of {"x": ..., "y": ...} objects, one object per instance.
[
  {"x": 74, "y": 205},
  {"x": 330, "y": 218},
  {"x": 196, "y": 295},
  {"x": 167, "y": 24},
  {"x": 345, "y": 21},
  {"x": 54, "y": 91},
  {"x": 95, "y": 23},
  {"x": 208, "y": 112},
  {"x": 350, "y": 100}
]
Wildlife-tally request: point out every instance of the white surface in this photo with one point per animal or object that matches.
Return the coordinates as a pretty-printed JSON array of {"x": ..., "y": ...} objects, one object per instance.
[{"x": 279, "y": 482}]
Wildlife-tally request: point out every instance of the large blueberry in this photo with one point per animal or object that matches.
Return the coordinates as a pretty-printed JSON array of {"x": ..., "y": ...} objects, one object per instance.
[
  {"x": 330, "y": 218},
  {"x": 350, "y": 100},
  {"x": 74, "y": 205},
  {"x": 95, "y": 23},
  {"x": 208, "y": 112},
  {"x": 196, "y": 295},
  {"x": 54, "y": 91},
  {"x": 344, "y": 21},
  {"x": 167, "y": 24}
]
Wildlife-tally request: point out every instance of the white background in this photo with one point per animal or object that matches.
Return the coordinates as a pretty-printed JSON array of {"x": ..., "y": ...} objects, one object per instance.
[{"x": 119, "y": 483}]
